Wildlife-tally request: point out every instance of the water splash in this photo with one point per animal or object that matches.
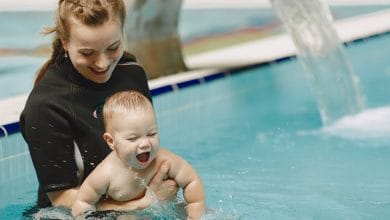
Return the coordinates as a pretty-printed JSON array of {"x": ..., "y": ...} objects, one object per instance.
[
  {"x": 174, "y": 210},
  {"x": 53, "y": 213},
  {"x": 164, "y": 210},
  {"x": 329, "y": 72}
]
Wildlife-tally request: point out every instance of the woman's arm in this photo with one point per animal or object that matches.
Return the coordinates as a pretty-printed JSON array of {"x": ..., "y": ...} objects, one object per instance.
[{"x": 63, "y": 198}]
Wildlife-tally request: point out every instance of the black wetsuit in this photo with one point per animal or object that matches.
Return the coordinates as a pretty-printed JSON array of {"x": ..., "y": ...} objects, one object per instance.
[{"x": 64, "y": 109}]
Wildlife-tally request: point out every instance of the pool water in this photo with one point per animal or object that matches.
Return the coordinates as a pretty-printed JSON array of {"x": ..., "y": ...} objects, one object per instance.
[
  {"x": 267, "y": 154},
  {"x": 19, "y": 69},
  {"x": 257, "y": 141}
]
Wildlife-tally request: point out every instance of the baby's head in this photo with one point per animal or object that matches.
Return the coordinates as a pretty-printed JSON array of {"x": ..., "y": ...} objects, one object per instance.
[{"x": 131, "y": 128}]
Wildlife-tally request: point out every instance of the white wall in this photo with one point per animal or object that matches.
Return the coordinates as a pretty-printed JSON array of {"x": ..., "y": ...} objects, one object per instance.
[{"x": 50, "y": 4}]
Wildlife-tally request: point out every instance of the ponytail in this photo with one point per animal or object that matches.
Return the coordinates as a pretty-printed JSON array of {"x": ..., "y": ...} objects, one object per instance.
[{"x": 57, "y": 54}]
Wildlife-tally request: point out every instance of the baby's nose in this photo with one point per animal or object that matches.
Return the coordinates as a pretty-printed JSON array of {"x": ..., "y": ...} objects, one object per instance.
[{"x": 144, "y": 144}]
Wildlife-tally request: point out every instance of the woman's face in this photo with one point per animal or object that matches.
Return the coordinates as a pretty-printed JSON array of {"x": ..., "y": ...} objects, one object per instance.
[{"x": 95, "y": 50}]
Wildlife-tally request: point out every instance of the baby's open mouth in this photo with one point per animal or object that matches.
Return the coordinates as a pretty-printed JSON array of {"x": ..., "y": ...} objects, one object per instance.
[{"x": 143, "y": 157}]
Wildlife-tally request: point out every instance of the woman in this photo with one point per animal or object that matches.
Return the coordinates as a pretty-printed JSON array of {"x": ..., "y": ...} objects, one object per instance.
[{"x": 61, "y": 121}]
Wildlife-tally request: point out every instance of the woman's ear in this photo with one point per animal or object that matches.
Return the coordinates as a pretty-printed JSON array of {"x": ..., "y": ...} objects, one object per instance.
[
  {"x": 109, "y": 140},
  {"x": 64, "y": 44}
]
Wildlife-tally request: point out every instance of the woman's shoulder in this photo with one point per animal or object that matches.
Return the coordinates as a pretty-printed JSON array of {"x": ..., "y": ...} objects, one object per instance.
[
  {"x": 42, "y": 101},
  {"x": 129, "y": 71},
  {"x": 52, "y": 88},
  {"x": 127, "y": 56},
  {"x": 54, "y": 77}
]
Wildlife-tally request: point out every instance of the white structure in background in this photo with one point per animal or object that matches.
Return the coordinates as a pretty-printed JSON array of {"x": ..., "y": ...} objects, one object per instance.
[{"x": 50, "y": 4}]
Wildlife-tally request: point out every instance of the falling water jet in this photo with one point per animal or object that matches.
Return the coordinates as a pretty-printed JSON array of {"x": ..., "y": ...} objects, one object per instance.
[{"x": 327, "y": 69}]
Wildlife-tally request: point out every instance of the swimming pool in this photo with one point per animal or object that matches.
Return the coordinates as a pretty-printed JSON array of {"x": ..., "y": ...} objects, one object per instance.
[{"x": 257, "y": 140}]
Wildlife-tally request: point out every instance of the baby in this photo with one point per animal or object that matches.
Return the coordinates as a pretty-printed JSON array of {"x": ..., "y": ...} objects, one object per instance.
[{"x": 131, "y": 133}]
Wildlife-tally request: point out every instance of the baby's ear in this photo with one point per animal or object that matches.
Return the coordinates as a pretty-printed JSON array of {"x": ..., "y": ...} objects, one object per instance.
[{"x": 109, "y": 140}]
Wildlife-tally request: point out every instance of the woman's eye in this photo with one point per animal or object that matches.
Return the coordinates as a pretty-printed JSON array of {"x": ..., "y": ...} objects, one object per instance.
[
  {"x": 113, "y": 48},
  {"x": 86, "y": 54}
]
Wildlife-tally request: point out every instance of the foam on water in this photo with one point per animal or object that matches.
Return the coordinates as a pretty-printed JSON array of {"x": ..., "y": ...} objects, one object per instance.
[{"x": 371, "y": 123}]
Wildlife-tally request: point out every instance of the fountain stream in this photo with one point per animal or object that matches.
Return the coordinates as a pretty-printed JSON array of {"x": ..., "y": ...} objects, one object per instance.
[{"x": 321, "y": 53}]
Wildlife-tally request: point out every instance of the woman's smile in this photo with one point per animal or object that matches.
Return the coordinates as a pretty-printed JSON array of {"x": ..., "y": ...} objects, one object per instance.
[{"x": 99, "y": 72}]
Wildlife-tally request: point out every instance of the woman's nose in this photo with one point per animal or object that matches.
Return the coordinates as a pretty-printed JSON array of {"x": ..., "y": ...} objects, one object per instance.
[{"x": 102, "y": 62}]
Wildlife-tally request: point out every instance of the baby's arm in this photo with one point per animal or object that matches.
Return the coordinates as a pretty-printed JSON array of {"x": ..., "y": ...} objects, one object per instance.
[
  {"x": 90, "y": 192},
  {"x": 188, "y": 179}
]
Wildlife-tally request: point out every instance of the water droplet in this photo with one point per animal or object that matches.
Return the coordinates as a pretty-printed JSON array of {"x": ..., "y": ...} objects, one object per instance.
[{"x": 95, "y": 114}]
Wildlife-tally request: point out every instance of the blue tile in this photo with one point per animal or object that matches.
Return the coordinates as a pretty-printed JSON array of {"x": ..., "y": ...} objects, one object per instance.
[
  {"x": 188, "y": 83},
  {"x": 283, "y": 59},
  {"x": 12, "y": 127},
  {"x": 214, "y": 77},
  {"x": 161, "y": 90}
]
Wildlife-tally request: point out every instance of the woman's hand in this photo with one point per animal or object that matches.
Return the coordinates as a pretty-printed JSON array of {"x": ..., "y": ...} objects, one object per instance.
[{"x": 164, "y": 189}]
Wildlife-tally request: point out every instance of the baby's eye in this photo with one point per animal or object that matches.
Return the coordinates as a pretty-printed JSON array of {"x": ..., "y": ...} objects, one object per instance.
[
  {"x": 152, "y": 134},
  {"x": 132, "y": 139}
]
